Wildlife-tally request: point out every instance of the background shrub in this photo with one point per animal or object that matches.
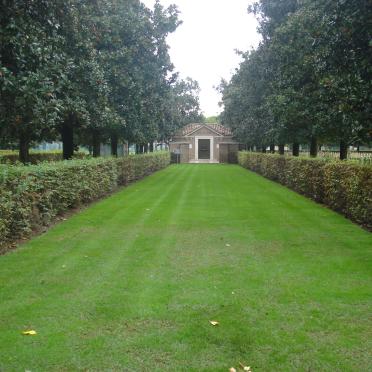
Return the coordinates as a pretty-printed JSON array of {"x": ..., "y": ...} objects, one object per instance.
[
  {"x": 346, "y": 187},
  {"x": 36, "y": 157},
  {"x": 32, "y": 196}
]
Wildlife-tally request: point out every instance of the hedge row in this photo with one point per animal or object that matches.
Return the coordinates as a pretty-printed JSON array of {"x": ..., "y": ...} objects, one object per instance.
[
  {"x": 346, "y": 187},
  {"x": 37, "y": 157},
  {"x": 32, "y": 196}
]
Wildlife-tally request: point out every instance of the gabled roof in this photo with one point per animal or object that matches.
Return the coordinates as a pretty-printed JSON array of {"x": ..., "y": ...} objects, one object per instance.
[{"x": 219, "y": 129}]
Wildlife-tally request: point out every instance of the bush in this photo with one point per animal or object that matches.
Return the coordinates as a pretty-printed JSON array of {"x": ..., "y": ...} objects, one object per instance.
[
  {"x": 346, "y": 187},
  {"x": 32, "y": 196},
  {"x": 10, "y": 157}
]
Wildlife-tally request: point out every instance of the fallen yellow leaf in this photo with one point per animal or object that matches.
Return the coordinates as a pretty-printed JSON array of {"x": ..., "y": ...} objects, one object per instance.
[
  {"x": 29, "y": 333},
  {"x": 245, "y": 368},
  {"x": 214, "y": 322},
  {"x": 232, "y": 369}
]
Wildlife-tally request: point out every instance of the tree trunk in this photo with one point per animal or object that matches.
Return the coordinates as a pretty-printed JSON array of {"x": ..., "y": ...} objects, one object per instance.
[
  {"x": 151, "y": 146},
  {"x": 67, "y": 135},
  {"x": 96, "y": 145},
  {"x": 114, "y": 145},
  {"x": 281, "y": 149},
  {"x": 24, "y": 149},
  {"x": 343, "y": 150},
  {"x": 272, "y": 148},
  {"x": 296, "y": 149},
  {"x": 263, "y": 149},
  {"x": 137, "y": 148},
  {"x": 313, "y": 147},
  {"x": 146, "y": 148}
]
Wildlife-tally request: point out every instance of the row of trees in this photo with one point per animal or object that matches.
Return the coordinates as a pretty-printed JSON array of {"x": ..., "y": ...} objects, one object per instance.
[
  {"x": 309, "y": 81},
  {"x": 89, "y": 71}
]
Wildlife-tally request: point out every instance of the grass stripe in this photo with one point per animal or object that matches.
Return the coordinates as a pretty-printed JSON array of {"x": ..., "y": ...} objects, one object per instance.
[{"x": 131, "y": 282}]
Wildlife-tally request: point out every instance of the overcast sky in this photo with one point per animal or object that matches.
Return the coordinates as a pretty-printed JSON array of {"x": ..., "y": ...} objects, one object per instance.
[{"x": 203, "y": 46}]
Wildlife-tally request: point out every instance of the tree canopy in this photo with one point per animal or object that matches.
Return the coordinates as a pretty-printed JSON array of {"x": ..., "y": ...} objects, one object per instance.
[
  {"x": 310, "y": 78},
  {"x": 88, "y": 72}
]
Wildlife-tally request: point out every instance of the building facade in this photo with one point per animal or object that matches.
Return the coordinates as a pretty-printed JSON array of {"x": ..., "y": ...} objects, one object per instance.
[{"x": 204, "y": 143}]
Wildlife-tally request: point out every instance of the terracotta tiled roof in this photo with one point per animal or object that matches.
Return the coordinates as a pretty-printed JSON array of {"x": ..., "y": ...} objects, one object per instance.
[
  {"x": 186, "y": 130},
  {"x": 220, "y": 129}
]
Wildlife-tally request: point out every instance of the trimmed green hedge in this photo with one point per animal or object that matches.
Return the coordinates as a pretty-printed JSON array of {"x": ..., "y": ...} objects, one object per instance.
[
  {"x": 346, "y": 187},
  {"x": 37, "y": 157},
  {"x": 32, "y": 196}
]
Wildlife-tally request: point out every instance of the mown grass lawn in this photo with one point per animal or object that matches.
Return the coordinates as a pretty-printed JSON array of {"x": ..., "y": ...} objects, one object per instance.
[{"x": 132, "y": 282}]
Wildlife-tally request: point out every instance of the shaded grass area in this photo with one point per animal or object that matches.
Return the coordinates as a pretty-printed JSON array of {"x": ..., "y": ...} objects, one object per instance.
[{"x": 132, "y": 282}]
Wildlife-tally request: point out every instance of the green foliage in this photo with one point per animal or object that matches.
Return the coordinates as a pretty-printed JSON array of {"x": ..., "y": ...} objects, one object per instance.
[
  {"x": 31, "y": 70},
  {"x": 348, "y": 190},
  {"x": 182, "y": 107},
  {"x": 308, "y": 79},
  {"x": 88, "y": 72},
  {"x": 212, "y": 119},
  {"x": 36, "y": 157},
  {"x": 346, "y": 187},
  {"x": 31, "y": 197}
]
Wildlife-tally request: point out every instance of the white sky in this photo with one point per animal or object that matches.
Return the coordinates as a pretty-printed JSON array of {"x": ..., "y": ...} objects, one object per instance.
[{"x": 203, "y": 46}]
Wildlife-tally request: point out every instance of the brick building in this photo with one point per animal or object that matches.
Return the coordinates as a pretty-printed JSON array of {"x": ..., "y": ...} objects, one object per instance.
[{"x": 204, "y": 143}]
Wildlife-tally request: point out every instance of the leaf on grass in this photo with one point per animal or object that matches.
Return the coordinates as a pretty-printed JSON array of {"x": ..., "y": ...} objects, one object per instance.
[
  {"x": 31, "y": 332},
  {"x": 245, "y": 368},
  {"x": 232, "y": 369},
  {"x": 228, "y": 245},
  {"x": 214, "y": 322}
]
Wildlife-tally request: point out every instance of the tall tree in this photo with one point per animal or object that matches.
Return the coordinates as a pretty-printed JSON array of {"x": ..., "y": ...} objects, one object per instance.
[
  {"x": 31, "y": 69},
  {"x": 309, "y": 78},
  {"x": 88, "y": 72}
]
